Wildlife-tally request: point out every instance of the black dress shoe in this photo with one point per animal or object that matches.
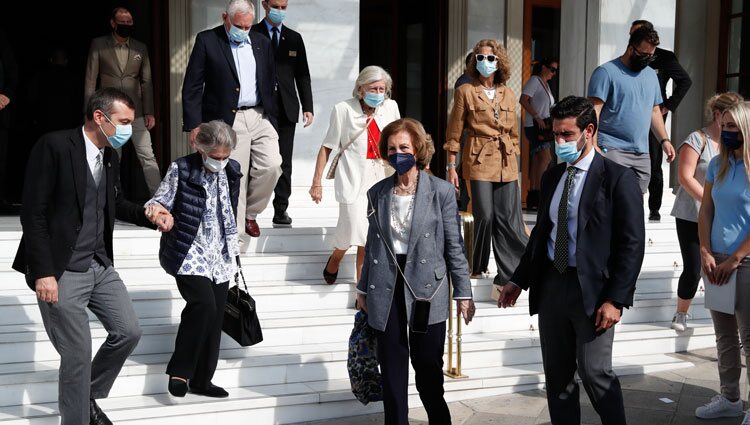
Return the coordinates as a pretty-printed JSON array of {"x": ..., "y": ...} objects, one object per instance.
[
  {"x": 96, "y": 416},
  {"x": 329, "y": 277},
  {"x": 210, "y": 390},
  {"x": 282, "y": 220},
  {"x": 654, "y": 216},
  {"x": 177, "y": 387}
]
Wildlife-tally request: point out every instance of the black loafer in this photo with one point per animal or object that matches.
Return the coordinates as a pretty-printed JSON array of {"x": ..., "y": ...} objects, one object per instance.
[
  {"x": 282, "y": 220},
  {"x": 96, "y": 416},
  {"x": 210, "y": 391},
  {"x": 329, "y": 277},
  {"x": 177, "y": 387}
]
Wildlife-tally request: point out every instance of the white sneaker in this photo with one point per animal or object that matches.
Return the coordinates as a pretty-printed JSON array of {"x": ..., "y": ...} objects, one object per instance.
[
  {"x": 746, "y": 421},
  {"x": 679, "y": 321},
  {"x": 720, "y": 407}
]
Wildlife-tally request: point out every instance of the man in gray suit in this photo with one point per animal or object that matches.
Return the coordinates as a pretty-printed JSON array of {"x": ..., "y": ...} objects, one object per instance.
[
  {"x": 118, "y": 60},
  {"x": 71, "y": 197}
]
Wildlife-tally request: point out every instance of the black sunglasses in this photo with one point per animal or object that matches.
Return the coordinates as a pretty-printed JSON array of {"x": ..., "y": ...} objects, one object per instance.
[
  {"x": 553, "y": 69},
  {"x": 490, "y": 58},
  {"x": 651, "y": 56}
]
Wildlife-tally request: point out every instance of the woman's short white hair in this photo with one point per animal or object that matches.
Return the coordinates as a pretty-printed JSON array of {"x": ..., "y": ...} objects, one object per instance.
[
  {"x": 369, "y": 75},
  {"x": 240, "y": 6},
  {"x": 215, "y": 134}
]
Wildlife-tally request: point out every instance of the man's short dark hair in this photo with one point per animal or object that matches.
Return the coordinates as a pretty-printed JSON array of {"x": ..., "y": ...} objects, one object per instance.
[
  {"x": 103, "y": 99},
  {"x": 642, "y": 34},
  {"x": 576, "y": 107},
  {"x": 642, "y": 23},
  {"x": 117, "y": 10}
]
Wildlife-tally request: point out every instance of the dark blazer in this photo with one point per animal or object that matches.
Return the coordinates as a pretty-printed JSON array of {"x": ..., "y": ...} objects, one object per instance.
[
  {"x": 611, "y": 236},
  {"x": 291, "y": 68},
  {"x": 435, "y": 249},
  {"x": 667, "y": 67},
  {"x": 53, "y": 200},
  {"x": 211, "y": 88}
]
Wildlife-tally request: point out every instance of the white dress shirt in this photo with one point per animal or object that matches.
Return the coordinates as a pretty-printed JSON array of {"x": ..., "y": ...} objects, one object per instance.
[
  {"x": 92, "y": 152},
  {"x": 574, "y": 199},
  {"x": 244, "y": 61}
]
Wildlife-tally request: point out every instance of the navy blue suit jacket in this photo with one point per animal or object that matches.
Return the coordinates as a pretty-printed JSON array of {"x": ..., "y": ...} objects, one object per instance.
[
  {"x": 211, "y": 88},
  {"x": 611, "y": 236}
]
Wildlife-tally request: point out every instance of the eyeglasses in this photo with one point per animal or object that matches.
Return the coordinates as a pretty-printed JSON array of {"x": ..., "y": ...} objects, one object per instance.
[
  {"x": 490, "y": 58},
  {"x": 651, "y": 56},
  {"x": 553, "y": 69}
]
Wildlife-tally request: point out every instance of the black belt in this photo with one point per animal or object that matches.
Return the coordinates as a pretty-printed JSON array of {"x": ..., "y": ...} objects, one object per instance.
[{"x": 245, "y": 108}]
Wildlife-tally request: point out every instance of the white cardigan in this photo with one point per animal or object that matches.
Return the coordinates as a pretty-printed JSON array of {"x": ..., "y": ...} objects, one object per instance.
[{"x": 347, "y": 119}]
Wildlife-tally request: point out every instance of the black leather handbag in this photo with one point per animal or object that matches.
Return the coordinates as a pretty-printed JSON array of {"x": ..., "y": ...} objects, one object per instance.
[{"x": 240, "y": 317}]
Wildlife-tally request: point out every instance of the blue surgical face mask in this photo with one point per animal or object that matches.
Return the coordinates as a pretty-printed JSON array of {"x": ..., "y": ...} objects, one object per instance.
[
  {"x": 731, "y": 139},
  {"x": 237, "y": 35},
  {"x": 121, "y": 136},
  {"x": 568, "y": 151},
  {"x": 373, "y": 100},
  {"x": 402, "y": 162},
  {"x": 276, "y": 16},
  {"x": 486, "y": 68}
]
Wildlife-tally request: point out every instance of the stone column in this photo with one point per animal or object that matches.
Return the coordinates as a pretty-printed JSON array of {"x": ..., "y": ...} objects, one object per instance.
[{"x": 180, "y": 46}]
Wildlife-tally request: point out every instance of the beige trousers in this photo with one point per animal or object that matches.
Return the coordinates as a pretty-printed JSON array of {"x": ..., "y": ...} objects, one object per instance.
[
  {"x": 142, "y": 143},
  {"x": 258, "y": 154},
  {"x": 732, "y": 332}
]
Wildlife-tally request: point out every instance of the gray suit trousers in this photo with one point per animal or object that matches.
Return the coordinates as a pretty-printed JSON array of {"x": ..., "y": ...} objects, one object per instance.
[{"x": 67, "y": 324}]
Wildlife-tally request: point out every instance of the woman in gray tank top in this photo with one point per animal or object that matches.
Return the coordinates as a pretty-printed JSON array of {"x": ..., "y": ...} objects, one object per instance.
[{"x": 695, "y": 152}]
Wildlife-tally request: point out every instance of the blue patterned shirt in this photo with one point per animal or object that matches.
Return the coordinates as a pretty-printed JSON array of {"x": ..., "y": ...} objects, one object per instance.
[{"x": 216, "y": 243}]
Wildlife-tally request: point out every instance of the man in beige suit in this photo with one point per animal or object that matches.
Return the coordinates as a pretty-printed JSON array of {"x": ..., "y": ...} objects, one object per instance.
[{"x": 118, "y": 60}]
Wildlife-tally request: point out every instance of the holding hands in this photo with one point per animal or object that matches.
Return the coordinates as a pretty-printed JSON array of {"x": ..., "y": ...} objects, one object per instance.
[{"x": 160, "y": 217}]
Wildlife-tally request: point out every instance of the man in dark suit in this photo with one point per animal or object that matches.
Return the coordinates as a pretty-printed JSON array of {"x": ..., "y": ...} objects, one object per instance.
[
  {"x": 71, "y": 197},
  {"x": 581, "y": 265},
  {"x": 120, "y": 61},
  {"x": 291, "y": 69},
  {"x": 667, "y": 68},
  {"x": 231, "y": 76}
]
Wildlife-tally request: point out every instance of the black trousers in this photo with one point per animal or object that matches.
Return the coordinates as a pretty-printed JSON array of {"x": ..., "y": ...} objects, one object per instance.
[
  {"x": 690, "y": 248},
  {"x": 284, "y": 185},
  {"x": 196, "y": 349},
  {"x": 656, "y": 184},
  {"x": 395, "y": 346},
  {"x": 498, "y": 223},
  {"x": 570, "y": 344}
]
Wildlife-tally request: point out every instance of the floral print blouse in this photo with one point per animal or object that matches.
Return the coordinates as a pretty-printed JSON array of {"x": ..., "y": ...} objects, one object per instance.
[{"x": 216, "y": 244}]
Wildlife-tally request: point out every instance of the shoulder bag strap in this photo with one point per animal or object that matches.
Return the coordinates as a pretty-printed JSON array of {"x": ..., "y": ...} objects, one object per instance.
[{"x": 359, "y": 133}]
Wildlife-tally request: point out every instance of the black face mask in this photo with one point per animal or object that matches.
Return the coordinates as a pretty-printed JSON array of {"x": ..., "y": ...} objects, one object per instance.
[
  {"x": 639, "y": 62},
  {"x": 124, "y": 31}
]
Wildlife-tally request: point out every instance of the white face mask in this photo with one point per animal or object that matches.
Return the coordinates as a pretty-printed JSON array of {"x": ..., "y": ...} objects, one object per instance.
[{"x": 214, "y": 165}]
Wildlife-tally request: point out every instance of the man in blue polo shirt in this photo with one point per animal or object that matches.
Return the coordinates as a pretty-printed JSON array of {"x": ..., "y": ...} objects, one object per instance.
[{"x": 626, "y": 96}]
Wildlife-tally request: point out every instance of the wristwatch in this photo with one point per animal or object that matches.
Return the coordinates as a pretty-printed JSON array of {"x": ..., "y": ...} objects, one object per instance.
[
  {"x": 450, "y": 165},
  {"x": 664, "y": 140}
]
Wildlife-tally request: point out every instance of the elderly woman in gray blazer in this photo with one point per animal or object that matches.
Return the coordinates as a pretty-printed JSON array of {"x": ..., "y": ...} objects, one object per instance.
[{"x": 413, "y": 242}]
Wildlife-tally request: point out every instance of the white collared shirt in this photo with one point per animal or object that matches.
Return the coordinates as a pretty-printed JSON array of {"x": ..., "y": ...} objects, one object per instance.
[
  {"x": 574, "y": 200},
  {"x": 91, "y": 153},
  {"x": 244, "y": 62}
]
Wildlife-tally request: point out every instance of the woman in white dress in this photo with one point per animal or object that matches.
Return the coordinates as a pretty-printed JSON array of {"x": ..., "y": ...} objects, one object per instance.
[{"x": 354, "y": 130}]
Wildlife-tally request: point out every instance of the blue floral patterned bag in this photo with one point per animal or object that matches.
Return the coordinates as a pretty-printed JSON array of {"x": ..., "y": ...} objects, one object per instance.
[{"x": 362, "y": 363}]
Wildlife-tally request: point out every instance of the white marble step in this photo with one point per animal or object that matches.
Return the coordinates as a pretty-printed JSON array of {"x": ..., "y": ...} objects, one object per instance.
[
  {"x": 289, "y": 403},
  {"x": 22, "y": 342}
]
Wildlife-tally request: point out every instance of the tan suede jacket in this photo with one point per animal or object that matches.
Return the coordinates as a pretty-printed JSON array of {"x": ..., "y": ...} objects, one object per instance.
[{"x": 492, "y": 148}]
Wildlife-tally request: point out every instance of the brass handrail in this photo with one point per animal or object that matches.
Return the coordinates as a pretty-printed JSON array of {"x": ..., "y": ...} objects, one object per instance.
[{"x": 455, "y": 372}]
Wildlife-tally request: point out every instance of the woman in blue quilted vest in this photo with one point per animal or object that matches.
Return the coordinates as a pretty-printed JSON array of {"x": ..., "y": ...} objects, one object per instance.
[{"x": 201, "y": 191}]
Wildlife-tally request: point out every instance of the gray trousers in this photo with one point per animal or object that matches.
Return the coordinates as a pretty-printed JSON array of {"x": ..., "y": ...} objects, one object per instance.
[
  {"x": 569, "y": 344},
  {"x": 498, "y": 222},
  {"x": 67, "y": 324},
  {"x": 640, "y": 163},
  {"x": 733, "y": 334}
]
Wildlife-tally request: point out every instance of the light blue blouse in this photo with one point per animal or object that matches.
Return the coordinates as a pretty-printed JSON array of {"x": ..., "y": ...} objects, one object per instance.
[{"x": 731, "y": 196}]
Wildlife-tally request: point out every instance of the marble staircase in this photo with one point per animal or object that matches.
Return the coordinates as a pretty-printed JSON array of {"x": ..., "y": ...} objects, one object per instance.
[{"x": 298, "y": 373}]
